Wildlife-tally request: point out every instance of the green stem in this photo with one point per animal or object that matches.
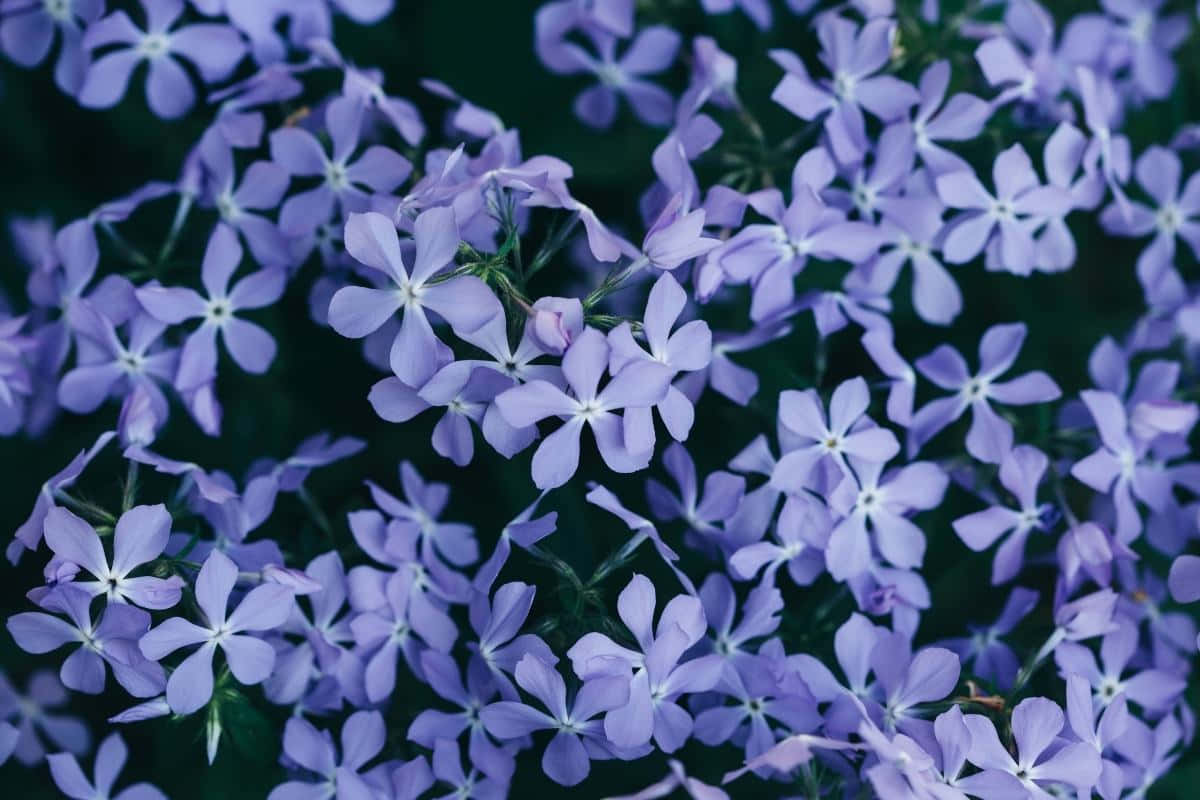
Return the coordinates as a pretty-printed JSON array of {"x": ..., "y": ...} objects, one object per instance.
[
  {"x": 85, "y": 508},
  {"x": 1039, "y": 657},
  {"x": 129, "y": 493},
  {"x": 615, "y": 280},
  {"x": 131, "y": 253},
  {"x": 314, "y": 509},
  {"x": 181, "y": 214}
]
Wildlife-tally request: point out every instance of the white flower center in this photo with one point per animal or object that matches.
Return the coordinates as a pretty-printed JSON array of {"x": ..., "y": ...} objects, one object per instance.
[
  {"x": 218, "y": 311},
  {"x": 610, "y": 75},
  {"x": 1168, "y": 218},
  {"x": 1002, "y": 210},
  {"x": 227, "y": 207},
  {"x": 1128, "y": 461},
  {"x": 975, "y": 389},
  {"x": 844, "y": 85},
  {"x": 410, "y": 295},
  {"x": 154, "y": 45},
  {"x": 59, "y": 10},
  {"x": 1141, "y": 26},
  {"x": 920, "y": 133},
  {"x": 865, "y": 197},
  {"x": 911, "y": 248},
  {"x": 335, "y": 175},
  {"x": 131, "y": 363}
]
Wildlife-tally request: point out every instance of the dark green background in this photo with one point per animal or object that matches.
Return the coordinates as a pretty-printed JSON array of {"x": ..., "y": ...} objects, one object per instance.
[{"x": 64, "y": 160}]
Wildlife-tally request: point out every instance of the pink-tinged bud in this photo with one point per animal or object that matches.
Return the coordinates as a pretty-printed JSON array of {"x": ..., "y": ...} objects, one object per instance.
[
  {"x": 555, "y": 322},
  {"x": 295, "y": 579},
  {"x": 59, "y": 571},
  {"x": 138, "y": 424},
  {"x": 150, "y": 709}
]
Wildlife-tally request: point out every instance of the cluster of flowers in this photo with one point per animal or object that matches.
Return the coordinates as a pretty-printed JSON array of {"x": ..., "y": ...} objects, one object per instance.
[{"x": 433, "y": 263}]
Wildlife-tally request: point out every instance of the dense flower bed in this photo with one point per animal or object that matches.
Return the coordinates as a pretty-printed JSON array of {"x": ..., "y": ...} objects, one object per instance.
[{"x": 790, "y": 381}]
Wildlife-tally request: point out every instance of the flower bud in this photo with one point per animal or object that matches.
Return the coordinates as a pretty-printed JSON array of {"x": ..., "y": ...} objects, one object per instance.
[{"x": 555, "y": 322}]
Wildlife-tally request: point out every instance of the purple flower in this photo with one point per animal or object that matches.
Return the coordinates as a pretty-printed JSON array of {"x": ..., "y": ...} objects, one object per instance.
[
  {"x": 656, "y": 678},
  {"x": 722, "y": 494},
  {"x": 1065, "y": 153},
  {"x": 882, "y": 503},
  {"x": 881, "y": 349},
  {"x": 34, "y": 712},
  {"x": 1159, "y": 172},
  {"x": 400, "y": 612},
  {"x": 554, "y": 324},
  {"x": 106, "y": 364},
  {"x": 1153, "y": 689},
  {"x": 1102, "y": 113},
  {"x": 958, "y": 119},
  {"x": 770, "y": 256},
  {"x": 816, "y": 438},
  {"x": 465, "y": 302},
  {"x": 759, "y": 11},
  {"x": 1082, "y": 715},
  {"x": 912, "y": 225},
  {"x": 379, "y": 169},
  {"x": 27, "y": 34},
  {"x": 1184, "y": 580},
  {"x": 412, "y": 779},
  {"x": 853, "y": 56},
  {"x": 1087, "y": 616},
  {"x": 16, "y": 381},
  {"x": 1124, "y": 466},
  {"x": 555, "y": 20},
  {"x": 8, "y": 741},
  {"x": 676, "y": 236},
  {"x": 250, "y": 659},
  {"x": 1031, "y": 73},
  {"x": 802, "y": 534},
  {"x": 988, "y": 656},
  {"x": 466, "y": 390},
  {"x": 500, "y": 645},
  {"x": 214, "y": 50},
  {"x": 30, "y": 532},
  {"x": 325, "y": 650},
  {"x": 854, "y": 642},
  {"x": 759, "y": 616},
  {"x": 432, "y": 726},
  {"x": 316, "y": 451},
  {"x": 907, "y": 679},
  {"x": 566, "y": 759},
  {"x": 1036, "y": 722},
  {"x": 639, "y": 384},
  {"x": 363, "y": 736},
  {"x": 990, "y": 437},
  {"x": 1019, "y": 207},
  {"x": 418, "y": 518},
  {"x": 262, "y": 186},
  {"x": 112, "y": 641},
  {"x": 366, "y": 86},
  {"x": 724, "y": 375},
  {"x": 447, "y": 767},
  {"x": 653, "y": 51},
  {"x": 140, "y": 536},
  {"x": 759, "y": 699},
  {"x": 110, "y": 759},
  {"x": 251, "y": 347},
  {"x": 1020, "y": 472},
  {"x": 686, "y": 350},
  {"x": 1145, "y": 42}
]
